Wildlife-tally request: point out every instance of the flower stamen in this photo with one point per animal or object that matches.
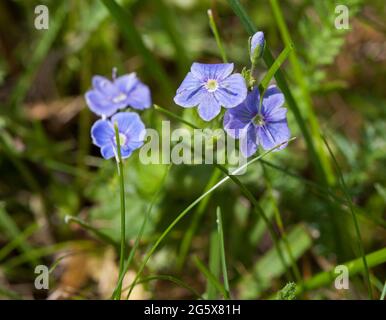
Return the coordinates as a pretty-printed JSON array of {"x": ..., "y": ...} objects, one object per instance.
[
  {"x": 211, "y": 85},
  {"x": 119, "y": 98},
  {"x": 259, "y": 120}
]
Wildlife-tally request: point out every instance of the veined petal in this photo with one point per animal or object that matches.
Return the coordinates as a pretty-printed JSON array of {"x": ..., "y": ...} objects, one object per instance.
[
  {"x": 248, "y": 109},
  {"x": 102, "y": 133},
  {"x": 234, "y": 125},
  {"x": 272, "y": 100},
  {"x": 249, "y": 141},
  {"x": 134, "y": 144},
  {"x": 139, "y": 97},
  {"x": 231, "y": 91},
  {"x": 126, "y": 152},
  {"x": 272, "y": 134},
  {"x": 209, "y": 108},
  {"x": 204, "y": 71},
  {"x": 130, "y": 124},
  {"x": 191, "y": 92}
]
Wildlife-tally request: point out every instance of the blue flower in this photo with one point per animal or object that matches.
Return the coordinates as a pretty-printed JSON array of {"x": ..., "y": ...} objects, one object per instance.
[
  {"x": 210, "y": 86},
  {"x": 254, "y": 124},
  {"x": 131, "y": 134},
  {"x": 107, "y": 97},
  {"x": 257, "y": 46}
]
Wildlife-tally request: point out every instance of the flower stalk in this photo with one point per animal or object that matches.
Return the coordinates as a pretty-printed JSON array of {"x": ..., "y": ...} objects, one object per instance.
[{"x": 123, "y": 211}]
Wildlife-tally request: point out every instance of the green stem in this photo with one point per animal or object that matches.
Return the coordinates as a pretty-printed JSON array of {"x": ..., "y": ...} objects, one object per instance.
[
  {"x": 383, "y": 292},
  {"x": 222, "y": 252},
  {"x": 216, "y": 34},
  {"x": 139, "y": 236},
  {"x": 122, "y": 201}
]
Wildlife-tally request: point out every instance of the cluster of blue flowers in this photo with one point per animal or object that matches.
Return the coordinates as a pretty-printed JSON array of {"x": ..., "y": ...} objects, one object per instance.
[
  {"x": 260, "y": 121},
  {"x": 105, "y": 99},
  {"x": 253, "y": 119}
]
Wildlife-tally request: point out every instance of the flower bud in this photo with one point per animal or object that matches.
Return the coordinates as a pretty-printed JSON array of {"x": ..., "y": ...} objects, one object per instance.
[{"x": 257, "y": 44}]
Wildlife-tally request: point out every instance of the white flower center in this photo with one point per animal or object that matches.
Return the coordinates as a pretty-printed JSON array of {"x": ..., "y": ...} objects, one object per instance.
[
  {"x": 211, "y": 85},
  {"x": 122, "y": 139},
  {"x": 119, "y": 98}
]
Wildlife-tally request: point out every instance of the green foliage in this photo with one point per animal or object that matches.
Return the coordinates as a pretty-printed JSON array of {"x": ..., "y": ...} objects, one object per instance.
[{"x": 288, "y": 292}]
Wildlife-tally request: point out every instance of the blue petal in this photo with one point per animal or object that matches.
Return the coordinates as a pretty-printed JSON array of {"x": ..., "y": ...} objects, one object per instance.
[
  {"x": 272, "y": 134},
  {"x": 272, "y": 101},
  {"x": 249, "y": 141},
  {"x": 132, "y": 145},
  {"x": 130, "y": 124},
  {"x": 126, "y": 152},
  {"x": 102, "y": 133},
  {"x": 232, "y": 91},
  {"x": 203, "y": 71},
  {"x": 191, "y": 92},
  {"x": 105, "y": 87},
  {"x": 209, "y": 108},
  {"x": 126, "y": 82},
  {"x": 248, "y": 109},
  {"x": 98, "y": 103},
  {"x": 107, "y": 151},
  {"x": 139, "y": 97},
  {"x": 233, "y": 124}
]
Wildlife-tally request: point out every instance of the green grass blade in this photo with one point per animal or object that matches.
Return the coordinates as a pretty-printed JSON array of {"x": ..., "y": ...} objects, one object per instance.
[
  {"x": 306, "y": 97},
  {"x": 42, "y": 47},
  {"x": 188, "y": 236},
  {"x": 216, "y": 34},
  {"x": 169, "y": 23},
  {"x": 142, "y": 229},
  {"x": 275, "y": 67},
  {"x": 354, "y": 218},
  {"x": 98, "y": 234},
  {"x": 171, "y": 279},
  {"x": 214, "y": 265},
  {"x": 222, "y": 252},
  {"x": 354, "y": 267},
  {"x": 383, "y": 292},
  {"x": 210, "y": 277},
  {"x": 270, "y": 267},
  {"x": 11, "y": 230},
  {"x": 259, "y": 211},
  {"x": 282, "y": 83},
  {"x": 187, "y": 210},
  {"x": 17, "y": 241},
  {"x": 125, "y": 21}
]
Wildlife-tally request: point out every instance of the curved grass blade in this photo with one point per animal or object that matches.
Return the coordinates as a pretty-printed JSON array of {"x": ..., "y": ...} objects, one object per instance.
[
  {"x": 125, "y": 21},
  {"x": 354, "y": 218},
  {"x": 210, "y": 277},
  {"x": 139, "y": 236},
  {"x": 222, "y": 252},
  {"x": 260, "y": 212},
  {"x": 354, "y": 267},
  {"x": 192, "y": 205},
  {"x": 216, "y": 34},
  {"x": 98, "y": 234},
  {"x": 171, "y": 279}
]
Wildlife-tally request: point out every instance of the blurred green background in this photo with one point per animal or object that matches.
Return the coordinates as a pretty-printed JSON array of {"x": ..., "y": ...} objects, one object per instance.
[{"x": 50, "y": 170}]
